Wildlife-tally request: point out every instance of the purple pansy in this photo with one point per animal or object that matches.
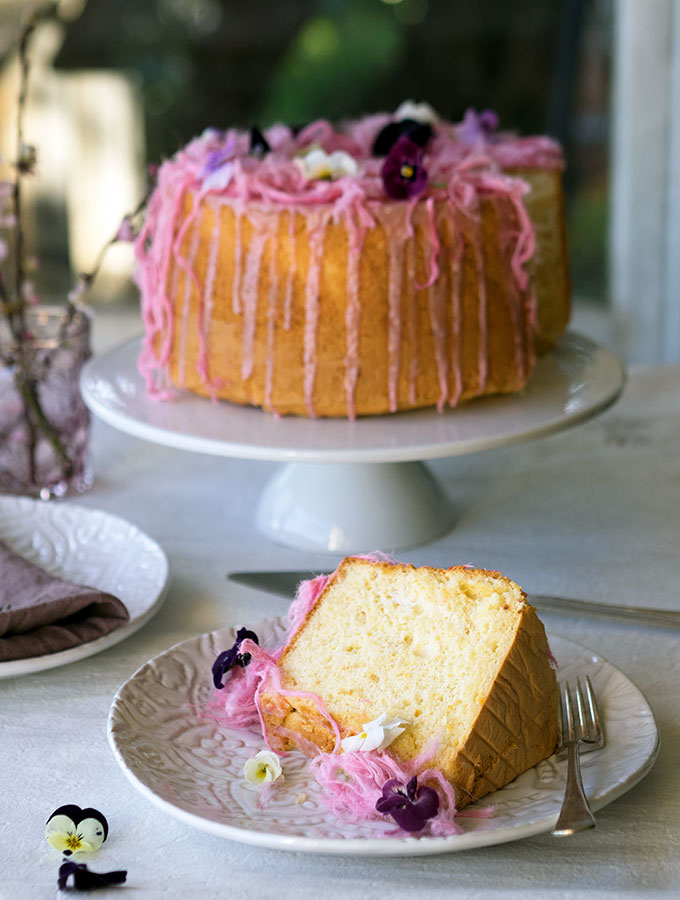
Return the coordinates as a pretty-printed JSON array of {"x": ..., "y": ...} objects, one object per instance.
[
  {"x": 83, "y": 879},
  {"x": 259, "y": 145},
  {"x": 232, "y": 657},
  {"x": 418, "y": 132},
  {"x": 403, "y": 173},
  {"x": 410, "y": 806},
  {"x": 478, "y": 127}
]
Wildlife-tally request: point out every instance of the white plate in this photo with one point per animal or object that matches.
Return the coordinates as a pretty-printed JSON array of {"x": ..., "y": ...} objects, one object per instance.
[
  {"x": 89, "y": 547},
  {"x": 191, "y": 767},
  {"x": 577, "y": 380}
]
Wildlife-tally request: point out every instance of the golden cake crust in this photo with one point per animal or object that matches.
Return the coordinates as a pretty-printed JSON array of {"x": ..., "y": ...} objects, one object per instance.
[{"x": 481, "y": 348}]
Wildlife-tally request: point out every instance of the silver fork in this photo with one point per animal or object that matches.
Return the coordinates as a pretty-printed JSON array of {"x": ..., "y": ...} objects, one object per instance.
[{"x": 578, "y": 734}]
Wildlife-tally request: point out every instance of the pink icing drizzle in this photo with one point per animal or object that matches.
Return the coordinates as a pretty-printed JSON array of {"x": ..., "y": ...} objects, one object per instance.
[
  {"x": 185, "y": 303},
  {"x": 306, "y": 596},
  {"x": 394, "y": 317},
  {"x": 288, "y": 303},
  {"x": 271, "y": 323},
  {"x": 312, "y": 314},
  {"x": 352, "y": 316},
  {"x": 250, "y": 294}
]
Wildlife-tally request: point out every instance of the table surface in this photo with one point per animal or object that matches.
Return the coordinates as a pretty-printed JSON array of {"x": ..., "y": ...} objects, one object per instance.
[{"x": 593, "y": 512}]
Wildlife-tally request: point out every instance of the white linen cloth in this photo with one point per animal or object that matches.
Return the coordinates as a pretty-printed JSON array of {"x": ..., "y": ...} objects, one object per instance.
[{"x": 593, "y": 512}]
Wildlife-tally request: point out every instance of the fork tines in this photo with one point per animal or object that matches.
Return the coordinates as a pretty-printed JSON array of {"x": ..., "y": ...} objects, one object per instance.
[
  {"x": 592, "y": 731},
  {"x": 586, "y": 726}
]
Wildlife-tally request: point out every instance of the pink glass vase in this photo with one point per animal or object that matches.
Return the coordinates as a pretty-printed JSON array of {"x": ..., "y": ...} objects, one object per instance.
[{"x": 44, "y": 424}]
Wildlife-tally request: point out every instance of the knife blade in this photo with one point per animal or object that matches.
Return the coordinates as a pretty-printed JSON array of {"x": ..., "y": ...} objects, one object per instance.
[{"x": 285, "y": 583}]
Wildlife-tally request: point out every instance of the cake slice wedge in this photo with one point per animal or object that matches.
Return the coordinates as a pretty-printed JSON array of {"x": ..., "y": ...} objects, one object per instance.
[{"x": 457, "y": 655}]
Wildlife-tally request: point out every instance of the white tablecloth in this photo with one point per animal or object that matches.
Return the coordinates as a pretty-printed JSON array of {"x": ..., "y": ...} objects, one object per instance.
[{"x": 592, "y": 512}]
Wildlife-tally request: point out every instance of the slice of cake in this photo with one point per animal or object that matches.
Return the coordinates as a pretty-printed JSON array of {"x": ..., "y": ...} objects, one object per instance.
[{"x": 456, "y": 658}]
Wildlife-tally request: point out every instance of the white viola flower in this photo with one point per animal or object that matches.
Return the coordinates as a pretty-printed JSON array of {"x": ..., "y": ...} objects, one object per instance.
[
  {"x": 375, "y": 735},
  {"x": 418, "y": 112},
  {"x": 71, "y": 829},
  {"x": 316, "y": 163},
  {"x": 263, "y": 768},
  {"x": 219, "y": 179}
]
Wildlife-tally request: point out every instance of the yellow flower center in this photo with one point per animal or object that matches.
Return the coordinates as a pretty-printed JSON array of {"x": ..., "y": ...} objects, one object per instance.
[
  {"x": 73, "y": 842},
  {"x": 407, "y": 171}
]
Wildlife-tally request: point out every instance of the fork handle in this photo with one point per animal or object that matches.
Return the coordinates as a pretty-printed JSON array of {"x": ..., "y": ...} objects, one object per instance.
[{"x": 575, "y": 814}]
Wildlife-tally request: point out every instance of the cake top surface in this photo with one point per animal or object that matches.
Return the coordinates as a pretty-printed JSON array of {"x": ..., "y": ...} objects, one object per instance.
[{"x": 401, "y": 155}]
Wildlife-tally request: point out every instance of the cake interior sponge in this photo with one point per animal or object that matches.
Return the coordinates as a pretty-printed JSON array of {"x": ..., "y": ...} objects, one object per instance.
[{"x": 458, "y": 655}]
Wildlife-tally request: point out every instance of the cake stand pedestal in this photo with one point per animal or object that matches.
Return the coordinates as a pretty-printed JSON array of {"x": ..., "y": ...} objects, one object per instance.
[
  {"x": 350, "y": 487},
  {"x": 353, "y": 507}
]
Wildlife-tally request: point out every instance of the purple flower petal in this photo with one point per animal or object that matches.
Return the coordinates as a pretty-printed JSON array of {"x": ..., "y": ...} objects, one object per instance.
[
  {"x": 403, "y": 173},
  {"x": 478, "y": 128},
  {"x": 418, "y": 132},
  {"x": 221, "y": 666},
  {"x": 409, "y": 806},
  {"x": 488, "y": 121},
  {"x": 232, "y": 657},
  {"x": 258, "y": 142},
  {"x": 84, "y": 879}
]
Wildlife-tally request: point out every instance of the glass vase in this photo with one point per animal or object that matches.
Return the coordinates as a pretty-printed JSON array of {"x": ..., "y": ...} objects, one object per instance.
[{"x": 44, "y": 424}]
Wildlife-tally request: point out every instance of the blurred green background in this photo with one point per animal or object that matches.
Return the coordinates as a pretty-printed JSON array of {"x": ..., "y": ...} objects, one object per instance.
[{"x": 543, "y": 65}]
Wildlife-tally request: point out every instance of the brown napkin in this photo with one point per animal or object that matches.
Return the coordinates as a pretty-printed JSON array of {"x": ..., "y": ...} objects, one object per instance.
[{"x": 40, "y": 613}]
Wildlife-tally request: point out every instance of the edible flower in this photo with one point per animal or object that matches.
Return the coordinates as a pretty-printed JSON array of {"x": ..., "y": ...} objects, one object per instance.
[
  {"x": 219, "y": 167},
  {"x": 316, "y": 163},
  {"x": 477, "y": 127},
  {"x": 258, "y": 142},
  {"x": 417, "y": 112},
  {"x": 409, "y": 806},
  {"x": 263, "y": 768},
  {"x": 84, "y": 879},
  {"x": 411, "y": 120},
  {"x": 375, "y": 735},
  {"x": 403, "y": 173},
  {"x": 232, "y": 657},
  {"x": 71, "y": 829}
]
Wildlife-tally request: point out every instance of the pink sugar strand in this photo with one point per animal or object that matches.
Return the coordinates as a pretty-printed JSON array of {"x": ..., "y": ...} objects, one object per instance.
[
  {"x": 316, "y": 240},
  {"x": 288, "y": 301},
  {"x": 396, "y": 262},
  {"x": 456, "y": 274},
  {"x": 307, "y": 594},
  {"x": 271, "y": 321},
  {"x": 251, "y": 279},
  {"x": 434, "y": 244}
]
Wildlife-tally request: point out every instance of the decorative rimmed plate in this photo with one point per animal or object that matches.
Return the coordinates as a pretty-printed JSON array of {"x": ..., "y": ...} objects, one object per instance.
[
  {"x": 191, "y": 767},
  {"x": 86, "y": 546}
]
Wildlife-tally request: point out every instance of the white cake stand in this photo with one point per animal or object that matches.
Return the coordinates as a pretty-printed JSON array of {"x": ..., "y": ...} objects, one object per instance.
[{"x": 351, "y": 487}]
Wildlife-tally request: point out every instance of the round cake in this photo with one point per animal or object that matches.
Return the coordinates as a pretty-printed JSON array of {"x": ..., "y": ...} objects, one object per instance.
[{"x": 390, "y": 263}]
